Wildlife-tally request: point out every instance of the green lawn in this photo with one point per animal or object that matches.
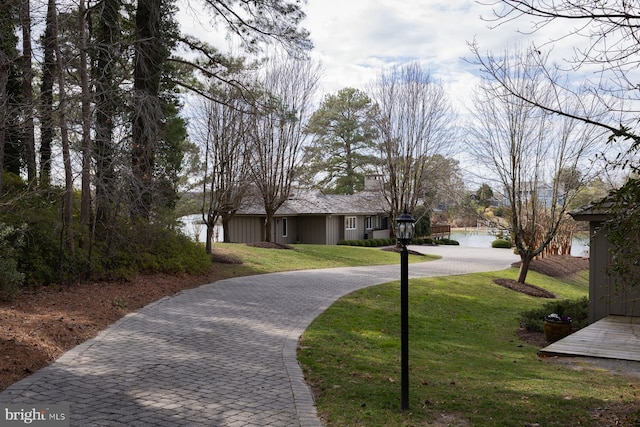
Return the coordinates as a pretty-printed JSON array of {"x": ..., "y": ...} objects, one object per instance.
[
  {"x": 306, "y": 257},
  {"x": 467, "y": 367}
]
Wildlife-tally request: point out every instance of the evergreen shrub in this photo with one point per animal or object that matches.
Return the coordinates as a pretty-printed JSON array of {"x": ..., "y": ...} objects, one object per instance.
[
  {"x": 501, "y": 243},
  {"x": 10, "y": 277},
  {"x": 578, "y": 310}
]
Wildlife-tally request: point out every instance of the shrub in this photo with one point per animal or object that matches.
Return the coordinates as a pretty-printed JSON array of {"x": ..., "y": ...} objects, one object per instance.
[
  {"x": 501, "y": 243},
  {"x": 10, "y": 277},
  {"x": 118, "y": 250},
  {"x": 164, "y": 250},
  {"x": 343, "y": 242},
  {"x": 578, "y": 310},
  {"x": 445, "y": 241}
]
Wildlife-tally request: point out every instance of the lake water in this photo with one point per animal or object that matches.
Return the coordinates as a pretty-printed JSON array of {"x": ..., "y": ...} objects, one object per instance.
[
  {"x": 192, "y": 226},
  {"x": 482, "y": 239},
  {"x": 470, "y": 238}
]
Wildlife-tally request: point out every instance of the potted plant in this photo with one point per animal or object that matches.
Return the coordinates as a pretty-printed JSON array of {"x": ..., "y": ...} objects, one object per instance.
[{"x": 556, "y": 327}]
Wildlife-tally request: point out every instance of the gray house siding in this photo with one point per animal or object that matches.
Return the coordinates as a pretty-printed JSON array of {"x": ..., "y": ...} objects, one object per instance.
[
  {"x": 351, "y": 233},
  {"x": 284, "y": 229},
  {"x": 606, "y": 296},
  {"x": 335, "y": 229},
  {"x": 313, "y": 217},
  {"x": 246, "y": 229},
  {"x": 599, "y": 281},
  {"x": 312, "y": 229}
]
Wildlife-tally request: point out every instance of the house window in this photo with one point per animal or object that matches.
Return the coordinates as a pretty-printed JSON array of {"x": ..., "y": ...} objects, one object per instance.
[
  {"x": 350, "y": 223},
  {"x": 368, "y": 223},
  {"x": 284, "y": 227}
]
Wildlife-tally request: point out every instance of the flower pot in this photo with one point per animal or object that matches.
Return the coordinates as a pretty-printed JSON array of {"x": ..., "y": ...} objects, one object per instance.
[{"x": 554, "y": 331}]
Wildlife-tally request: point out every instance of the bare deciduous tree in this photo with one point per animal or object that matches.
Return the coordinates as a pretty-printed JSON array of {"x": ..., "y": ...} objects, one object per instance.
[
  {"x": 277, "y": 130},
  {"x": 223, "y": 136},
  {"x": 606, "y": 48},
  {"x": 529, "y": 150},
  {"x": 415, "y": 123}
]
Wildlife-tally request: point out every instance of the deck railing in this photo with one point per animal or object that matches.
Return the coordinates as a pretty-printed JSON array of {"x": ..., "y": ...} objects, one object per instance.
[{"x": 440, "y": 231}]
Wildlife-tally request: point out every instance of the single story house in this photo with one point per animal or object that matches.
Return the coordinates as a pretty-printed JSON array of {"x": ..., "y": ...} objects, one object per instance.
[
  {"x": 310, "y": 216},
  {"x": 607, "y": 297}
]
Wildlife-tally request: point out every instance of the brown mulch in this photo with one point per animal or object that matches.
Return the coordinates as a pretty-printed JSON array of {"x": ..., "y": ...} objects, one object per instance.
[
  {"x": 525, "y": 288},
  {"x": 532, "y": 337},
  {"x": 559, "y": 265},
  {"x": 39, "y": 325},
  {"x": 398, "y": 250},
  {"x": 554, "y": 266}
]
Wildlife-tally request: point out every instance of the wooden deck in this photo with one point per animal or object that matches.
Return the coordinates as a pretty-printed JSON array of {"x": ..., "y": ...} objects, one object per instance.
[{"x": 614, "y": 337}]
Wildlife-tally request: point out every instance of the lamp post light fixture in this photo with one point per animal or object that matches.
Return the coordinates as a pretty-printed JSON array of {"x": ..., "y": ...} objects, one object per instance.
[{"x": 405, "y": 227}]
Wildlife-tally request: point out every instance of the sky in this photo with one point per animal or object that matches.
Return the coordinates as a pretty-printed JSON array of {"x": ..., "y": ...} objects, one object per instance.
[{"x": 356, "y": 40}]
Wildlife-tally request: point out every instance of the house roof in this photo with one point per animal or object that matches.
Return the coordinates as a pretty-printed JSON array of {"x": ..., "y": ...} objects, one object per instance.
[
  {"x": 594, "y": 212},
  {"x": 314, "y": 202}
]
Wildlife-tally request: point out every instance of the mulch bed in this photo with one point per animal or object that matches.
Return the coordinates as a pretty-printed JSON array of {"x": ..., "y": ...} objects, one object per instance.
[
  {"x": 398, "y": 250},
  {"x": 525, "y": 288},
  {"x": 558, "y": 265},
  {"x": 554, "y": 266}
]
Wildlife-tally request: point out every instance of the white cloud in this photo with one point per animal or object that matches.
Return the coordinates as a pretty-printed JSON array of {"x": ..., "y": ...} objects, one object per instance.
[{"x": 356, "y": 39}]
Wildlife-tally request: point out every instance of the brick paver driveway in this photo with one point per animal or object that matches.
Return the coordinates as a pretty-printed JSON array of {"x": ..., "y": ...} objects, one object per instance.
[{"x": 220, "y": 355}]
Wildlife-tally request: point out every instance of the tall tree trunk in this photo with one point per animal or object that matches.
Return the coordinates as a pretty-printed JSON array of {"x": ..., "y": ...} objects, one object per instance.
[
  {"x": 211, "y": 228},
  {"x": 27, "y": 93},
  {"x": 4, "y": 78},
  {"x": 67, "y": 205},
  {"x": 226, "y": 234},
  {"x": 525, "y": 263},
  {"x": 46, "y": 97},
  {"x": 85, "y": 146},
  {"x": 105, "y": 108},
  {"x": 149, "y": 62},
  {"x": 268, "y": 225},
  {"x": 7, "y": 48}
]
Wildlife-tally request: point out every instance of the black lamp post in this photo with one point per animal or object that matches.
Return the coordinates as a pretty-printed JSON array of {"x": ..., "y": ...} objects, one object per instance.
[{"x": 405, "y": 226}]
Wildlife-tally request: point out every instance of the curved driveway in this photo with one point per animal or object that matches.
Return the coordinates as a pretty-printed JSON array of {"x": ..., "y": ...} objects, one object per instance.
[{"x": 223, "y": 354}]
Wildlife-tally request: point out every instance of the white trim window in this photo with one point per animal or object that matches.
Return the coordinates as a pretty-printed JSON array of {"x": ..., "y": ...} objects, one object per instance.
[
  {"x": 350, "y": 223},
  {"x": 368, "y": 223},
  {"x": 284, "y": 227}
]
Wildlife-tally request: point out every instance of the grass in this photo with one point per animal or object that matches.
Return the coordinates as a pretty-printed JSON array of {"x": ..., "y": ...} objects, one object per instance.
[
  {"x": 467, "y": 367},
  {"x": 307, "y": 257}
]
